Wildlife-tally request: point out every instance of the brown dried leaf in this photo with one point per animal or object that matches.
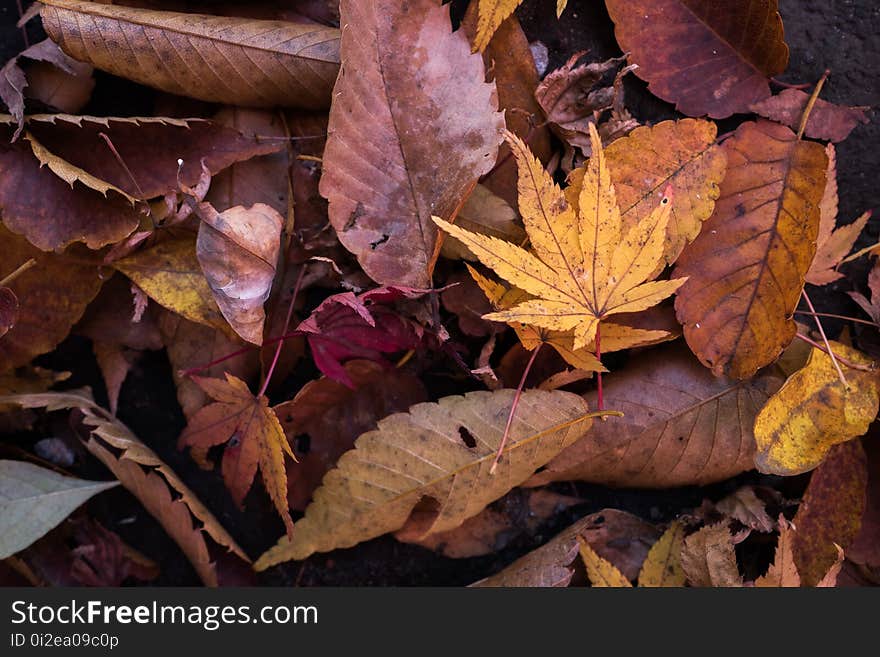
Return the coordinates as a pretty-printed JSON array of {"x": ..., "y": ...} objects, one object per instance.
[
  {"x": 52, "y": 296},
  {"x": 828, "y": 122},
  {"x": 746, "y": 269},
  {"x": 333, "y": 415},
  {"x": 830, "y": 514},
  {"x": 708, "y": 56},
  {"x": 746, "y": 507},
  {"x": 425, "y": 454},
  {"x": 238, "y": 251},
  {"x": 783, "y": 571},
  {"x": 486, "y": 214},
  {"x": 58, "y": 89},
  {"x": 496, "y": 526},
  {"x": 146, "y": 476},
  {"x": 708, "y": 558},
  {"x": 412, "y": 126},
  {"x": 616, "y": 536},
  {"x": 238, "y": 61},
  {"x": 681, "y": 426},
  {"x": 602, "y": 573},
  {"x": 8, "y": 310}
]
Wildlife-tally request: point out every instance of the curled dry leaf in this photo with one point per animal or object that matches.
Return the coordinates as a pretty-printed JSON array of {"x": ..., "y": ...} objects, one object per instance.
[
  {"x": 192, "y": 345},
  {"x": 708, "y": 558},
  {"x": 830, "y": 514},
  {"x": 238, "y": 61},
  {"x": 710, "y": 57},
  {"x": 747, "y": 508},
  {"x": 682, "y": 154},
  {"x": 575, "y": 279},
  {"x": 814, "y": 411},
  {"x": 426, "y": 454},
  {"x": 495, "y": 527},
  {"x": 52, "y": 295},
  {"x": 828, "y": 122},
  {"x": 680, "y": 426},
  {"x": 333, "y": 415},
  {"x": 146, "y": 476},
  {"x": 33, "y": 500},
  {"x": 486, "y": 214},
  {"x": 746, "y": 269},
  {"x": 252, "y": 435},
  {"x": 170, "y": 274},
  {"x": 408, "y": 135},
  {"x": 616, "y": 536},
  {"x": 238, "y": 251},
  {"x": 662, "y": 567},
  {"x": 832, "y": 245}
]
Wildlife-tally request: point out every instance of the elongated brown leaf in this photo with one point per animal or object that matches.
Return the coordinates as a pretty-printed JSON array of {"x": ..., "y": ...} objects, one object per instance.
[
  {"x": 827, "y": 121},
  {"x": 707, "y": 56},
  {"x": 52, "y": 295},
  {"x": 146, "y": 476},
  {"x": 424, "y": 454},
  {"x": 681, "y": 426},
  {"x": 238, "y": 61},
  {"x": 746, "y": 269},
  {"x": 413, "y": 125},
  {"x": 617, "y": 536}
]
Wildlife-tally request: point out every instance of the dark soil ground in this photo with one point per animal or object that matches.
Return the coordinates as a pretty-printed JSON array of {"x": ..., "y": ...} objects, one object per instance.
[{"x": 841, "y": 35}]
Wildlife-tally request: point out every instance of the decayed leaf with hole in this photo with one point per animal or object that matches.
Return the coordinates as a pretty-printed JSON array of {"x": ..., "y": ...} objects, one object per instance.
[
  {"x": 708, "y": 558},
  {"x": 602, "y": 573},
  {"x": 830, "y": 513},
  {"x": 710, "y": 57},
  {"x": 170, "y": 274},
  {"x": 575, "y": 278},
  {"x": 238, "y": 251},
  {"x": 491, "y": 14},
  {"x": 510, "y": 63},
  {"x": 814, "y": 411},
  {"x": 413, "y": 125},
  {"x": 423, "y": 454},
  {"x": 486, "y": 214},
  {"x": 681, "y": 426},
  {"x": 333, "y": 415},
  {"x": 52, "y": 295},
  {"x": 828, "y": 122},
  {"x": 616, "y": 536},
  {"x": 682, "y": 154},
  {"x": 192, "y": 345},
  {"x": 746, "y": 268},
  {"x": 492, "y": 529},
  {"x": 832, "y": 245},
  {"x": 146, "y": 476},
  {"x": 237, "y": 61},
  {"x": 33, "y": 500},
  {"x": 662, "y": 567},
  {"x": 253, "y": 437}
]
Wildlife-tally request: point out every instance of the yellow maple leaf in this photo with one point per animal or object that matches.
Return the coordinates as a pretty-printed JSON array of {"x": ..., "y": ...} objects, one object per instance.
[{"x": 584, "y": 267}]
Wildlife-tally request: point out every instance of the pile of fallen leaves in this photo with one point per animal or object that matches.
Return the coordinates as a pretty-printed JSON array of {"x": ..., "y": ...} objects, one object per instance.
[{"x": 370, "y": 202}]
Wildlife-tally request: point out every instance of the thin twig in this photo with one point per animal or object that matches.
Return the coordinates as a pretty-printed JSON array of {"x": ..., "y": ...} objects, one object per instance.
[
  {"x": 833, "y": 316},
  {"x": 122, "y": 163},
  {"x": 810, "y": 103},
  {"x": 280, "y": 344},
  {"x": 18, "y": 272},
  {"x": 851, "y": 365},
  {"x": 825, "y": 339},
  {"x": 516, "y": 397}
]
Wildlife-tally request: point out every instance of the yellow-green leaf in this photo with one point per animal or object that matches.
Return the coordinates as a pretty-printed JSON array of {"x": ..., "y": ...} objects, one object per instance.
[
  {"x": 602, "y": 573},
  {"x": 662, "y": 567}
]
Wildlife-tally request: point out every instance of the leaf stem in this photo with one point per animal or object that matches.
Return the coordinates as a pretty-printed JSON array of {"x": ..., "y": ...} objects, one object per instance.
[
  {"x": 513, "y": 406},
  {"x": 851, "y": 365},
  {"x": 280, "y": 344},
  {"x": 18, "y": 272},
  {"x": 825, "y": 339},
  {"x": 833, "y": 316},
  {"x": 859, "y": 253},
  {"x": 810, "y": 103},
  {"x": 600, "y": 401}
]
